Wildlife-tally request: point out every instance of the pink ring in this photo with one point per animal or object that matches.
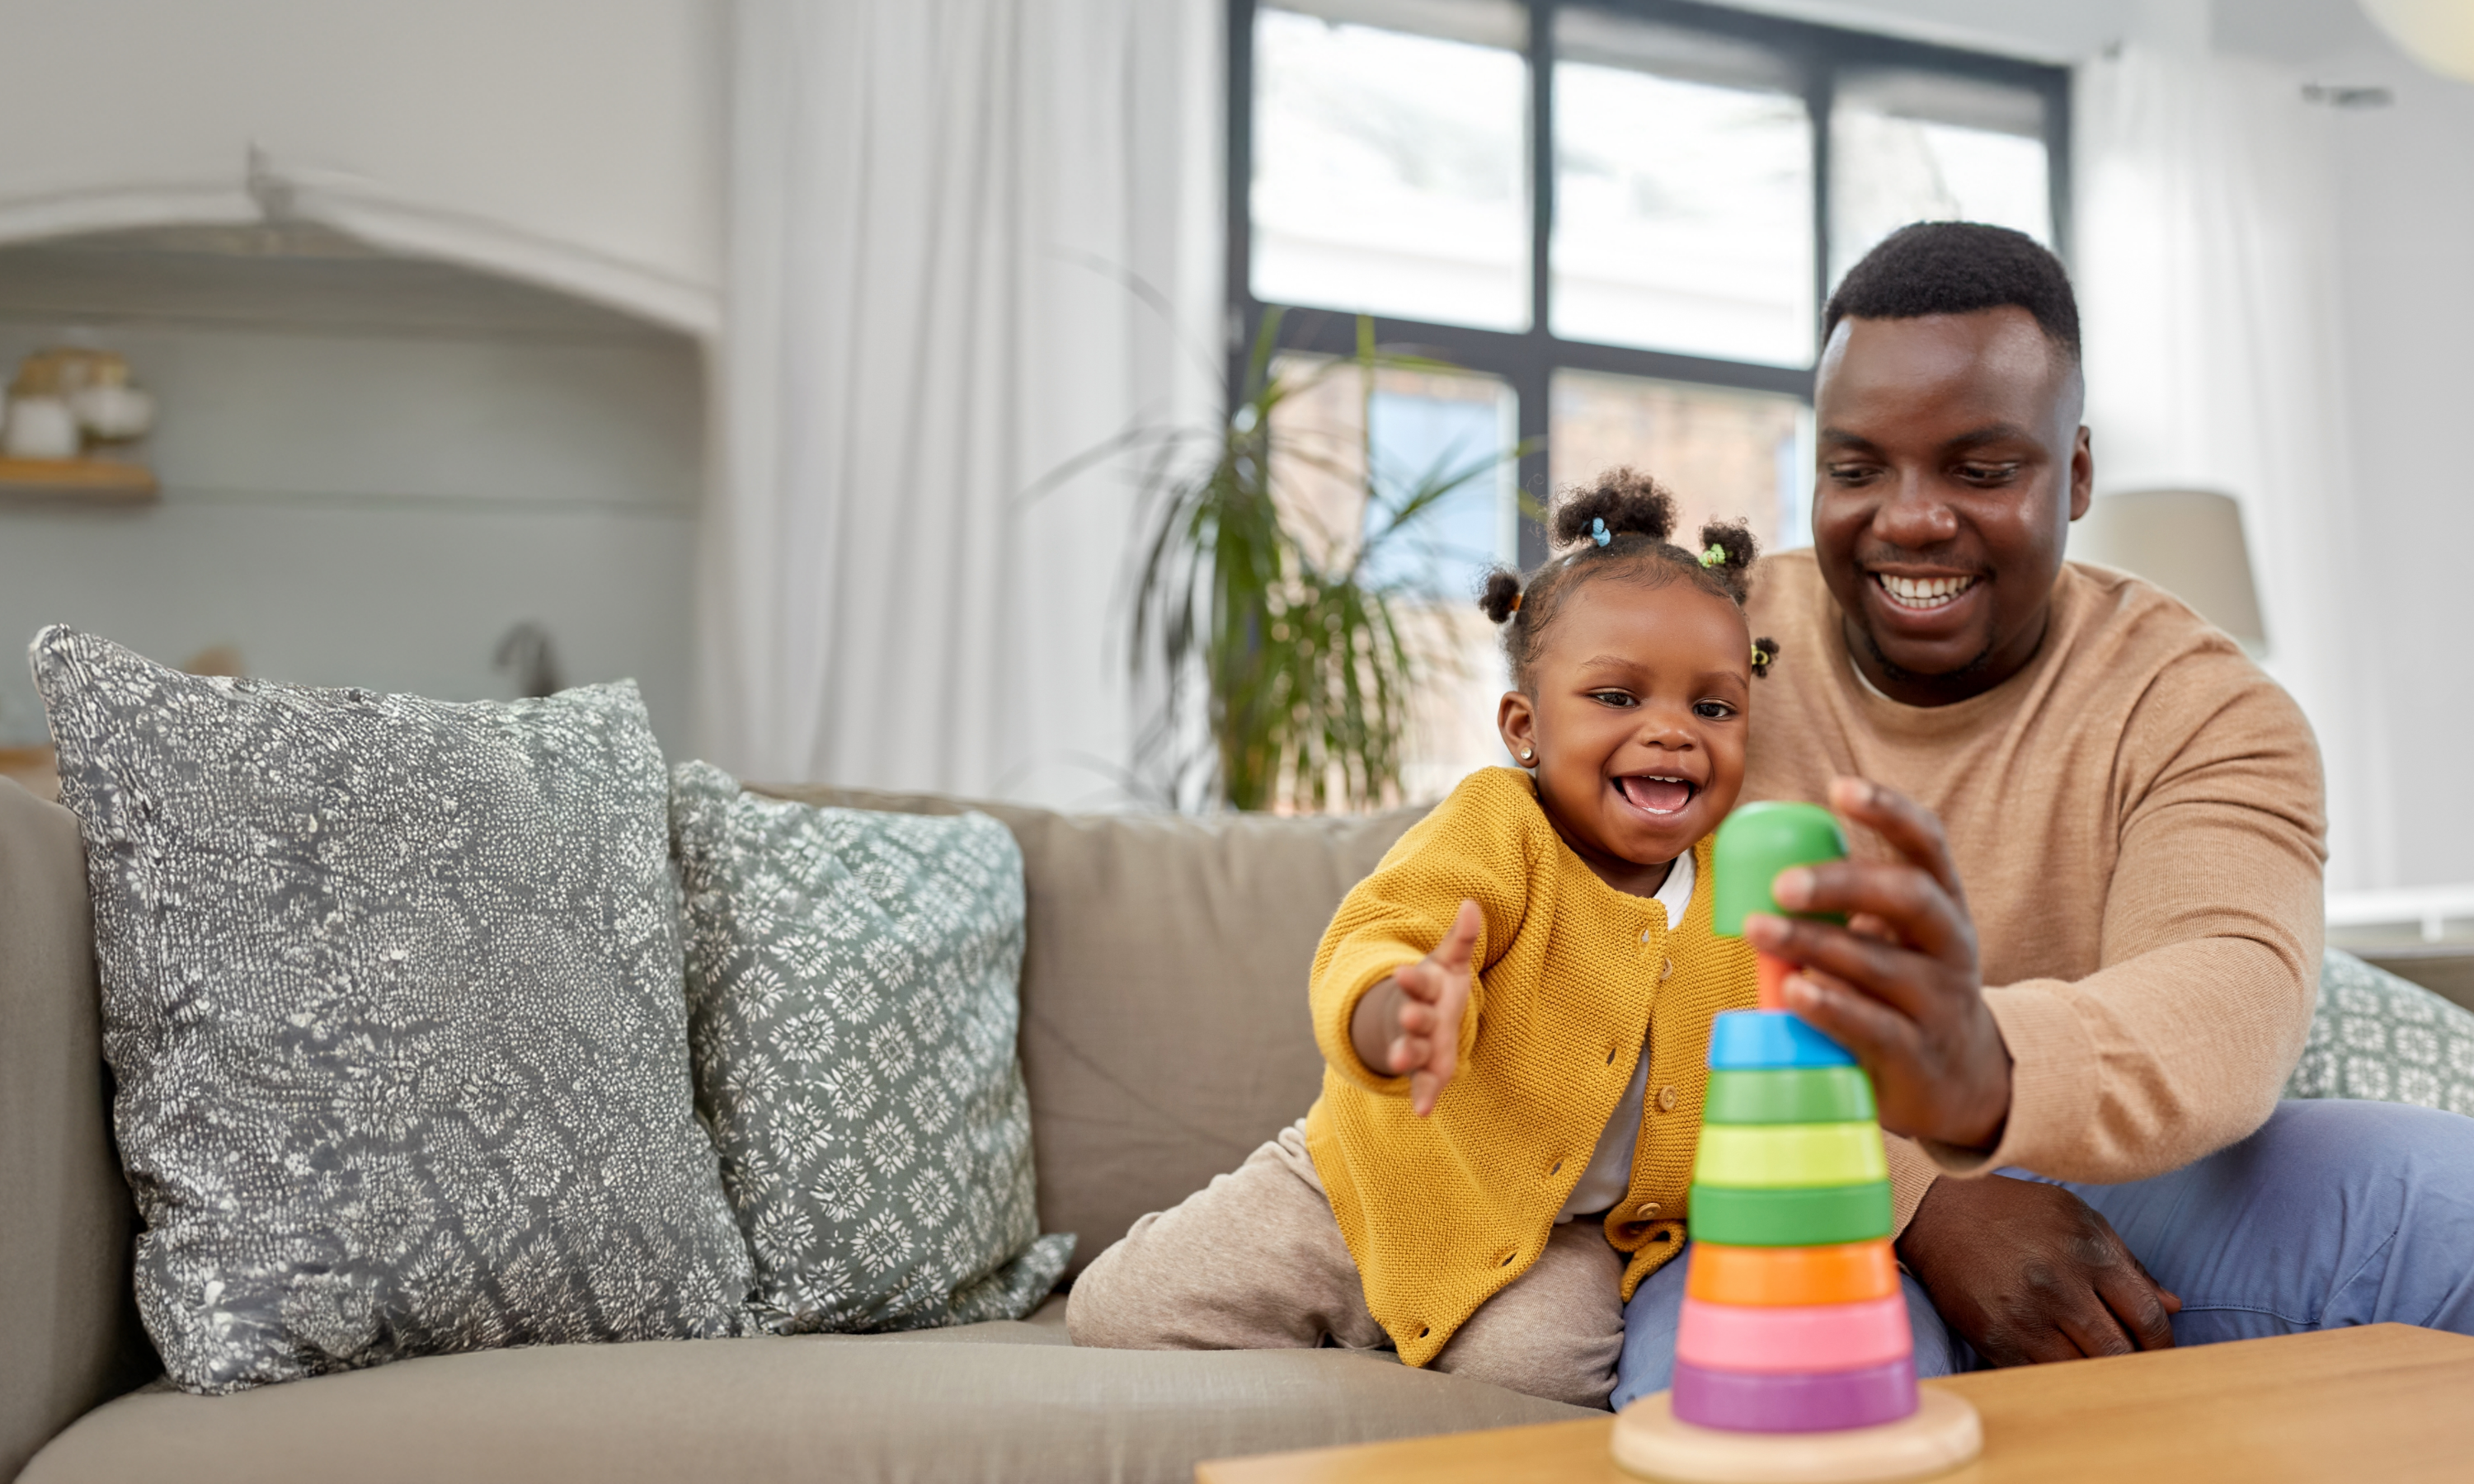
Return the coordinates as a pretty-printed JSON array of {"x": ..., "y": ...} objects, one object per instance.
[{"x": 1793, "y": 1339}]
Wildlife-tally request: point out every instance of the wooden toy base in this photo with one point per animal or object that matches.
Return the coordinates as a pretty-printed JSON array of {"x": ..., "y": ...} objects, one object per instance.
[{"x": 1940, "y": 1435}]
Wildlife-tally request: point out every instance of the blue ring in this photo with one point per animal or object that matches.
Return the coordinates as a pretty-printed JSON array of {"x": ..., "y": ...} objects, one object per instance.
[{"x": 1743, "y": 1041}]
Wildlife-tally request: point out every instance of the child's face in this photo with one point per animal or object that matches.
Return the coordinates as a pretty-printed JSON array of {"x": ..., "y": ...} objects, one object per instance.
[{"x": 1637, "y": 721}]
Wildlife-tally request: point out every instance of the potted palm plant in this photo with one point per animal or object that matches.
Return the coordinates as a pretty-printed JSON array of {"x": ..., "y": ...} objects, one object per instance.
[{"x": 1276, "y": 646}]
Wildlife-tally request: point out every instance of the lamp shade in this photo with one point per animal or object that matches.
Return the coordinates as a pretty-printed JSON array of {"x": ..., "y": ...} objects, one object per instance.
[
  {"x": 2438, "y": 33},
  {"x": 2187, "y": 541}
]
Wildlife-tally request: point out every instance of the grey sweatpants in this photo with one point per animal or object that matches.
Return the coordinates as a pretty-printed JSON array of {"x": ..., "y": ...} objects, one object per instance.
[{"x": 1256, "y": 1261}]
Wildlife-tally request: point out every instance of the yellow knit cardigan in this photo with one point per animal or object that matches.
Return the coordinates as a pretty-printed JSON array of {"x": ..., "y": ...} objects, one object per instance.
[{"x": 1442, "y": 1212}]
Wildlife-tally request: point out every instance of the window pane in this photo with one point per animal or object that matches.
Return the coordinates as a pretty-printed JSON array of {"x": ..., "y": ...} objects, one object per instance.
[
  {"x": 1390, "y": 173},
  {"x": 1925, "y": 147},
  {"x": 1682, "y": 194},
  {"x": 1727, "y": 455},
  {"x": 1438, "y": 439},
  {"x": 1423, "y": 430}
]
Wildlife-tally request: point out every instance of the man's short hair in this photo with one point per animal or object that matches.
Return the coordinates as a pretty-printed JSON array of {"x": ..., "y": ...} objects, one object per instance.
[{"x": 1959, "y": 268}]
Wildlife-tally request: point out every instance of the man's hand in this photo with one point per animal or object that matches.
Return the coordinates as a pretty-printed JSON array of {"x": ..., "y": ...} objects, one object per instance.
[
  {"x": 1411, "y": 1022},
  {"x": 1898, "y": 986},
  {"x": 2027, "y": 1273}
]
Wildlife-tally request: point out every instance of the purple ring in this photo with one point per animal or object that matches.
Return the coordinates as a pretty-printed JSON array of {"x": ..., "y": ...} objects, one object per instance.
[{"x": 1742, "y": 1402}]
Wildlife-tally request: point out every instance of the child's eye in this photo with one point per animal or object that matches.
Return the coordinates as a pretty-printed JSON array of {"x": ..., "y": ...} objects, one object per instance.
[
  {"x": 1621, "y": 698},
  {"x": 1712, "y": 711}
]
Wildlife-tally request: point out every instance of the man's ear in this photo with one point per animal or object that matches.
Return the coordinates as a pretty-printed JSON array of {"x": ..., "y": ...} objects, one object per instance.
[
  {"x": 2082, "y": 473},
  {"x": 1515, "y": 719}
]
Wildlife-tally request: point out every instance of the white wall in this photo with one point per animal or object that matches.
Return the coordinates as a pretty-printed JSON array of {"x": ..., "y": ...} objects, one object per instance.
[
  {"x": 2041, "y": 29},
  {"x": 576, "y": 142},
  {"x": 2405, "y": 228},
  {"x": 372, "y": 468},
  {"x": 2407, "y": 224}
]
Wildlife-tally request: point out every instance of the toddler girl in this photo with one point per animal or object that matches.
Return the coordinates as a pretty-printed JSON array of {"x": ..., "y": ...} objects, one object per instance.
[{"x": 1513, "y": 1008}]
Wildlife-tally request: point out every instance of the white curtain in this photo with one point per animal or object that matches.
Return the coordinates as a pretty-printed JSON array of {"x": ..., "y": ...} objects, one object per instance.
[
  {"x": 2206, "y": 264},
  {"x": 937, "y": 208}
]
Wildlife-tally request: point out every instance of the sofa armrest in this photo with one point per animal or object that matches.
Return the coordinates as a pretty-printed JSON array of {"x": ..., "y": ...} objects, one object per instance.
[{"x": 67, "y": 1327}]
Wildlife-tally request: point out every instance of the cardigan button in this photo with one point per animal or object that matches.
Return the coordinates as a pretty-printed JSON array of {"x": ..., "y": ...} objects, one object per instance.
[
  {"x": 1651, "y": 1207},
  {"x": 1668, "y": 970},
  {"x": 1666, "y": 1100}
]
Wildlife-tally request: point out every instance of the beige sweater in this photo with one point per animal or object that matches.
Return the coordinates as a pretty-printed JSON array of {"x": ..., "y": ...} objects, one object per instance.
[{"x": 2139, "y": 826}]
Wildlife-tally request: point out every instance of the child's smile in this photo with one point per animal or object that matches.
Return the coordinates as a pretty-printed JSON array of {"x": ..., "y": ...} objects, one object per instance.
[{"x": 1658, "y": 794}]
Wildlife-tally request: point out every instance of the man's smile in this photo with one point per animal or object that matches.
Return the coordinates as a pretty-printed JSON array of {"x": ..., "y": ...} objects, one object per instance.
[
  {"x": 1923, "y": 601},
  {"x": 1922, "y": 594}
]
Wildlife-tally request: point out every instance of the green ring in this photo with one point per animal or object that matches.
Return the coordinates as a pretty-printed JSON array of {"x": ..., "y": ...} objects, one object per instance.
[
  {"x": 1794, "y": 1094},
  {"x": 1823, "y": 1217}
]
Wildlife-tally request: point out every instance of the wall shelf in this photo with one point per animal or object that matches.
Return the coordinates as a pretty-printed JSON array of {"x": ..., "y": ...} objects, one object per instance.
[{"x": 96, "y": 481}]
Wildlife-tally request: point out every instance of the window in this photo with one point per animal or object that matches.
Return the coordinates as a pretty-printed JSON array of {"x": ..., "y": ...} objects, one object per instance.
[
  {"x": 1415, "y": 428},
  {"x": 1391, "y": 168},
  {"x": 1619, "y": 219},
  {"x": 1682, "y": 194}
]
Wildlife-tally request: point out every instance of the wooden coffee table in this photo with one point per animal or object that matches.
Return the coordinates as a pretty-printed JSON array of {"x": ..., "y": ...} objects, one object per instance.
[{"x": 2389, "y": 1402}]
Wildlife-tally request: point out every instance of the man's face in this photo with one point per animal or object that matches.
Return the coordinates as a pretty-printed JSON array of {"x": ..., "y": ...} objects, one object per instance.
[{"x": 1952, "y": 464}]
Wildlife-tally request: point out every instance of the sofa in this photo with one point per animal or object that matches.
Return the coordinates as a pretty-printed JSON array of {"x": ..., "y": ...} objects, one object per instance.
[{"x": 1164, "y": 1034}]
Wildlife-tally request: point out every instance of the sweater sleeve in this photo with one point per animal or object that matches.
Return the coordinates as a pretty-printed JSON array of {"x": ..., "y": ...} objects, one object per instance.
[
  {"x": 1913, "y": 1172},
  {"x": 2181, "y": 1041},
  {"x": 1475, "y": 846}
]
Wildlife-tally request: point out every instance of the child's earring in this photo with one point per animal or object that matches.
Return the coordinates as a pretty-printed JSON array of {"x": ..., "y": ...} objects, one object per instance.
[{"x": 1526, "y": 755}]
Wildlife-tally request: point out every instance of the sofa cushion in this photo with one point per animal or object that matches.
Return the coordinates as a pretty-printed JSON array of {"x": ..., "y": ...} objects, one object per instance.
[
  {"x": 983, "y": 1402},
  {"x": 1164, "y": 1027},
  {"x": 65, "y": 1214},
  {"x": 852, "y": 1007},
  {"x": 2388, "y": 1039},
  {"x": 392, "y": 993}
]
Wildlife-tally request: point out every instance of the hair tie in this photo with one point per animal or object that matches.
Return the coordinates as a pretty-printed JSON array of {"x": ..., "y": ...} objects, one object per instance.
[
  {"x": 1514, "y": 607},
  {"x": 1598, "y": 532},
  {"x": 1713, "y": 555}
]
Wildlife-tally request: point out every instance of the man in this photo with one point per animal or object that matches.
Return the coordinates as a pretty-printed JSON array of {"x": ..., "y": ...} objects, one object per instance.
[{"x": 2104, "y": 971}]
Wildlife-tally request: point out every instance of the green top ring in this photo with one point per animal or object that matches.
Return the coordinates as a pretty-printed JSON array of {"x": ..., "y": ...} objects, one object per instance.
[{"x": 1757, "y": 842}]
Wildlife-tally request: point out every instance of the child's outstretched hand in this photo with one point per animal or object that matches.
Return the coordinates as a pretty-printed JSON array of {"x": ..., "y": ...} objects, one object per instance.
[{"x": 1410, "y": 1025}]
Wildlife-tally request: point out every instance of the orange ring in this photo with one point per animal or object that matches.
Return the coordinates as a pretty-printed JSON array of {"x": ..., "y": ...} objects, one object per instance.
[{"x": 1773, "y": 1276}]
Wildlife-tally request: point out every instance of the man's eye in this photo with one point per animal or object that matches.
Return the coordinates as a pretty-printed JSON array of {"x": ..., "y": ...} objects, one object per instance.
[
  {"x": 1712, "y": 711},
  {"x": 1851, "y": 473},
  {"x": 1988, "y": 473},
  {"x": 1622, "y": 698}
]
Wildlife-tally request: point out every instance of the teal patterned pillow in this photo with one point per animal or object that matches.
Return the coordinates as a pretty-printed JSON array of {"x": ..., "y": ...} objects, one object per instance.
[
  {"x": 853, "y": 997},
  {"x": 2388, "y": 1040}
]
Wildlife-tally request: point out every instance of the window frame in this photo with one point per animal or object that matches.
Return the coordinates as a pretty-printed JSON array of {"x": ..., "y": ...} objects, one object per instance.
[{"x": 1527, "y": 359}]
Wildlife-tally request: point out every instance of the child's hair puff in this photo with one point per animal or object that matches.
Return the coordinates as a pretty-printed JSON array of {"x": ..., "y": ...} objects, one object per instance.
[{"x": 1619, "y": 527}]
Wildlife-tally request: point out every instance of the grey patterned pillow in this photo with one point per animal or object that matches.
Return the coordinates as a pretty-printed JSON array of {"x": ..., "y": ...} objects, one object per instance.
[
  {"x": 2386, "y": 1039},
  {"x": 853, "y": 983},
  {"x": 391, "y": 988}
]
